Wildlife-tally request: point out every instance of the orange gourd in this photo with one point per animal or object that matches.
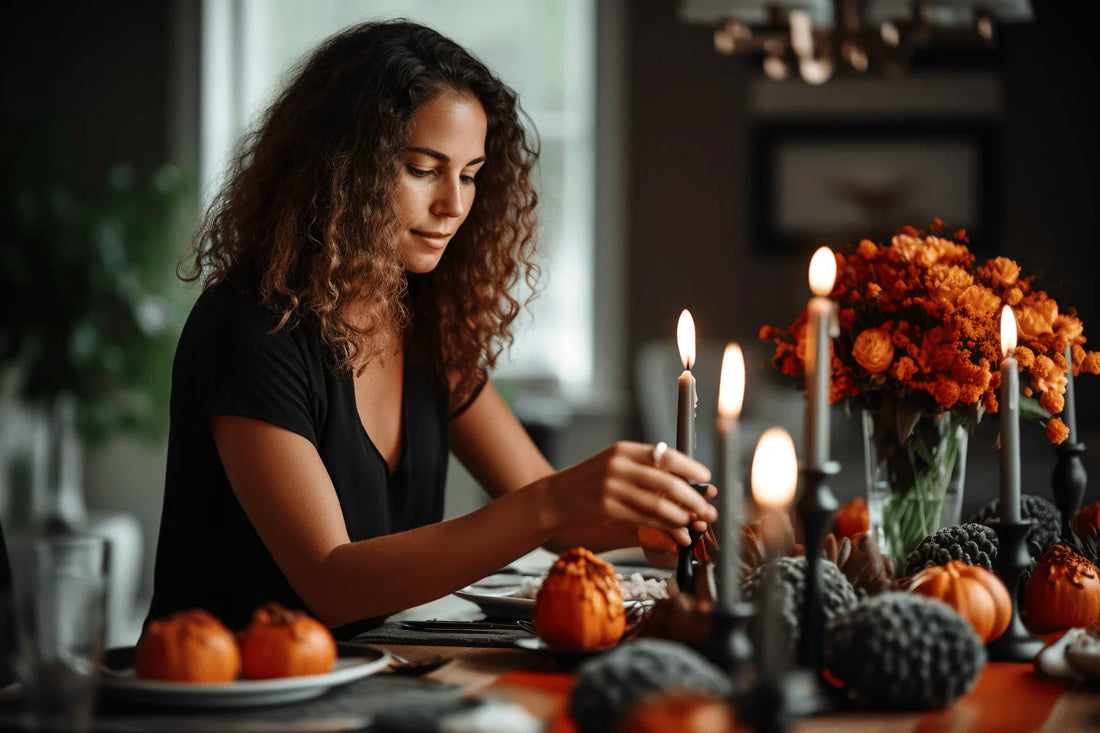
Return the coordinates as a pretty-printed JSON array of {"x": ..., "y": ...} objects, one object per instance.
[
  {"x": 1087, "y": 520},
  {"x": 580, "y": 603},
  {"x": 976, "y": 594},
  {"x": 279, "y": 642},
  {"x": 852, "y": 518},
  {"x": 1063, "y": 592},
  {"x": 187, "y": 646}
]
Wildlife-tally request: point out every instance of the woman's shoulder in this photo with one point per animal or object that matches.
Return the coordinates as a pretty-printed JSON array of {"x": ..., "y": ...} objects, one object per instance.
[{"x": 234, "y": 312}]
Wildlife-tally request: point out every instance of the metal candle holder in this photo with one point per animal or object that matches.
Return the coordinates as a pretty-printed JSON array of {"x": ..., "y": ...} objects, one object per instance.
[
  {"x": 815, "y": 508},
  {"x": 1017, "y": 644},
  {"x": 1069, "y": 481}
]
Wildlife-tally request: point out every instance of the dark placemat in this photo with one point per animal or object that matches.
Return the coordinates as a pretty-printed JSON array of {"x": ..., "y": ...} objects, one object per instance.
[
  {"x": 392, "y": 632},
  {"x": 350, "y": 707}
]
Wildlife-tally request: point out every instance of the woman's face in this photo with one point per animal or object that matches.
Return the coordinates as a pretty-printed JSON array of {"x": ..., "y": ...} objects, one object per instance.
[{"x": 435, "y": 186}]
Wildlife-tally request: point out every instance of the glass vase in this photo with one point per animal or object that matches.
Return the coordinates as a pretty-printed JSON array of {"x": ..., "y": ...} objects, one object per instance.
[{"x": 914, "y": 486}]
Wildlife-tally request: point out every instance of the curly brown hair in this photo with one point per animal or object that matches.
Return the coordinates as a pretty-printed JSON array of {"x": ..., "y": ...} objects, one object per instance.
[{"x": 309, "y": 207}]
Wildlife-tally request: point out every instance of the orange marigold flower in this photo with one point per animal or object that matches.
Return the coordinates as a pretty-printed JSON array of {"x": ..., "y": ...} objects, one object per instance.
[
  {"x": 1068, "y": 327},
  {"x": 904, "y": 369},
  {"x": 1024, "y": 356},
  {"x": 969, "y": 394},
  {"x": 946, "y": 392},
  {"x": 1053, "y": 402},
  {"x": 873, "y": 290},
  {"x": 961, "y": 236},
  {"x": 979, "y": 301},
  {"x": 1000, "y": 271},
  {"x": 1037, "y": 319},
  {"x": 1057, "y": 431},
  {"x": 909, "y": 230},
  {"x": 874, "y": 350},
  {"x": 1013, "y": 296},
  {"x": 867, "y": 248},
  {"x": 766, "y": 333},
  {"x": 1089, "y": 364}
]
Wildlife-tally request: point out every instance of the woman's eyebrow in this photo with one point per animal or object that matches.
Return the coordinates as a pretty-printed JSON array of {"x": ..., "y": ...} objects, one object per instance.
[{"x": 440, "y": 156}]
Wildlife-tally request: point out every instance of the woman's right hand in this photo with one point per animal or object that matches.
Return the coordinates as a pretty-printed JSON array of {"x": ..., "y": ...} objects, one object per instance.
[{"x": 624, "y": 484}]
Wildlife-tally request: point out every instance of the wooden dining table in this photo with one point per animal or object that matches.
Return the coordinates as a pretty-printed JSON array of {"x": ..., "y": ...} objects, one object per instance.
[{"x": 1008, "y": 696}]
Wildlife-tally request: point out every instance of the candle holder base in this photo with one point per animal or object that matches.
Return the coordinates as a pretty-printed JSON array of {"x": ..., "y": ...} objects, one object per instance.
[
  {"x": 687, "y": 566},
  {"x": 1068, "y": 482},
  {"x": 771, "y": 706},
  {"x": 729, "y": 645},
  {"x": 1017, "y": 644},
  {"x": 815, "y": 508}
]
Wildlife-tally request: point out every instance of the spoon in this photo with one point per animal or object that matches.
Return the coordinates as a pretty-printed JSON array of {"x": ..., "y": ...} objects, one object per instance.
[{"x": 400, "y": 665}]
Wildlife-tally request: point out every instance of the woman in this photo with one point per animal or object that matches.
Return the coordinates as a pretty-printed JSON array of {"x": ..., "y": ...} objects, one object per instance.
[{"x": 356, "y": 270}]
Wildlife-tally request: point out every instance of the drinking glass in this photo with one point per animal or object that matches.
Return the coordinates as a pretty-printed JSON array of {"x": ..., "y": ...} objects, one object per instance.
[{"x": 60, "y": 607}]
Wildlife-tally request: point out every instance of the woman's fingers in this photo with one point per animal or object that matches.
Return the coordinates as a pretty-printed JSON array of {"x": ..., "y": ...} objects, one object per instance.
[{"x": 669, "y": 459}]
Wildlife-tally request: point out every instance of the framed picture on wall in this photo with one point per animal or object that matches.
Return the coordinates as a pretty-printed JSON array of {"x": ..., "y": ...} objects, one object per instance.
[{"x": 817, "y": 184}]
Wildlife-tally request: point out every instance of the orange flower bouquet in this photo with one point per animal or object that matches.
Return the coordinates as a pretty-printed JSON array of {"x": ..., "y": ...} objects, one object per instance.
[{"x": 919, "y": 352}]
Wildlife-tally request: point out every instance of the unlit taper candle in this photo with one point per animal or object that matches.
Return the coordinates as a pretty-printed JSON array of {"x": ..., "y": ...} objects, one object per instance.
[
  {"x": 1010, "y": 421},
  {"x": 1069, "y": 411},
  {"x": 731, "y": 393}
]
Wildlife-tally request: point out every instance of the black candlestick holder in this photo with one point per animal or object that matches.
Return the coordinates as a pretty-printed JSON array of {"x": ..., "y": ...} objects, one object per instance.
[
  {"x": 729, "y": 645},
  {"x": 1068, "y": 482},
  {"x": 1017, "y": 644},
  {"x": 687, "y": 565},
  {"x": 815, "y": 508}
]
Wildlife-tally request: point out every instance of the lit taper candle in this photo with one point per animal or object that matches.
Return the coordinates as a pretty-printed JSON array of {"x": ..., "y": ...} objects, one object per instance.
[
  {"x": 731, "y": 394},
  {"x": 687, "y": 397},
  {"x": 821, "y": 315},
  {"x": 774, "y": 477},
  {"x": 1010, "y": 421}
]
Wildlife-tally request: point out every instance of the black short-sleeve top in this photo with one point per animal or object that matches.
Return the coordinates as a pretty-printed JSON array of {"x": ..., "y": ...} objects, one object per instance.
[{"x": 231, "y": 361}]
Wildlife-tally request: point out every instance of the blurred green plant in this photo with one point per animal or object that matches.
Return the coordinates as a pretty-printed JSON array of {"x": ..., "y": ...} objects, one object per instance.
[{"x": 87, "y": 286}]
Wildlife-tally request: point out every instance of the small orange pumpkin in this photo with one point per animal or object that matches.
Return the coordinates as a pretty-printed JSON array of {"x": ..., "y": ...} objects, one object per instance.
[
  {"x": 187, "y": 646},
  {"x": 283, "y": 643},
  {"x": 852, "y": 518},
  {"x": 1063, "y": 592},
  {"x": 1086, "y": 520},
  {"x": 580, "y": 603},
  {"x": 975, "y": 593}
]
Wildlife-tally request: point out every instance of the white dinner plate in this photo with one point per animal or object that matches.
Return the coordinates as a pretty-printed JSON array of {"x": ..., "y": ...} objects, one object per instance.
[
  {"x": 355, "y": 661},
  {"x": 499, "y": 597},
  {"x": 499, "y": 600}
]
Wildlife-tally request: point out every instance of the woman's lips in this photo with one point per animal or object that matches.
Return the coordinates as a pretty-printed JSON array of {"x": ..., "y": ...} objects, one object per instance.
[{"x": 435, "y": 239}]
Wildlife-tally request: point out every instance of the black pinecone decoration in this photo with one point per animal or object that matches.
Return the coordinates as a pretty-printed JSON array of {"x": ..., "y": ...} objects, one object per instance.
[
  {"x": 608, "y": 685},
  {"x": 903, "y": 651},
  {"x": 974, "y": 544},
  {"x": 837, "y": 592},
  {"x": 1046, "y": 526}
]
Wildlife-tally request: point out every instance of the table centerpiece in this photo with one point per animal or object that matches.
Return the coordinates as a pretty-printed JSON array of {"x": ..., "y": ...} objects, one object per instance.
[{"x": 918, "y": 353}]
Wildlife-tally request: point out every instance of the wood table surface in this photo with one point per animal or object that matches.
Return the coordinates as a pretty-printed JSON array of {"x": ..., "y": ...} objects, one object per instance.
[{"x": 1008, "y": 697}]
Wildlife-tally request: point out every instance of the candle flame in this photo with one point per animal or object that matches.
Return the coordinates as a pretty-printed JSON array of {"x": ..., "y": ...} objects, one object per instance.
[
  {"x": 822, "y": 271},
  {"x": 731, "y": 383},
  {"x": 685, "y": 339},
  {"x": 774, "y": 468},
  {"x": 1008, "y": 331}
]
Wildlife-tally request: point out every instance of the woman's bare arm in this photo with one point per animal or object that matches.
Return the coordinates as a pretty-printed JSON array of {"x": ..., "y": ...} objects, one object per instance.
[
  {"x": 496, "y": 449},
  {"x": 286, "y": 492}
]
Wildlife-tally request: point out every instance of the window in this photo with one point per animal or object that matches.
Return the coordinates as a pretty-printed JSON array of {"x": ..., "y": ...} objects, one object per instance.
[{"x": 544, "y": 50}]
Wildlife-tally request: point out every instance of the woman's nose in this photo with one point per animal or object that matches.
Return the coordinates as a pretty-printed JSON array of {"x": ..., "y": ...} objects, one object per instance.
[{"x": 448, "y": 199}]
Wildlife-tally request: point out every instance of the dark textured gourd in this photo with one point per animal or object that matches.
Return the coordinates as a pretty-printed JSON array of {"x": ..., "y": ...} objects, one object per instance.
[
  {"x": 1046, "y": 525},
  {"x": 903, "y": 651},
  {"x": 974, "y": 544},
  {"x": 608, "y": 686},
  {"x": 837, "y": 591}
]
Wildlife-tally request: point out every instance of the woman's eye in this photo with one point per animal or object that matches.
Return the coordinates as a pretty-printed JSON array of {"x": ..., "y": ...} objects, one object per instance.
[
  {"x": 468, "y": 179},
  {"x": 418, "y": 172}
]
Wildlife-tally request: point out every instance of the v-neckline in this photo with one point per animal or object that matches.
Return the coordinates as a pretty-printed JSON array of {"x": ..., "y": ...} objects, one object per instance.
[{"x": 391, "y": 472}]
